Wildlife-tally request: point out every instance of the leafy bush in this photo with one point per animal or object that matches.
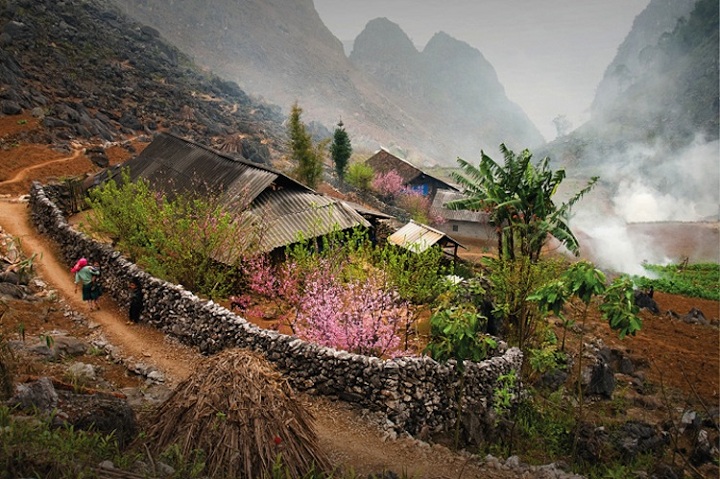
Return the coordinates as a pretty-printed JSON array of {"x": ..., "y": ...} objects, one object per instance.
[
  {"x": 7, "y": 366},
  {"x": 38, "y": 449},
  {"x": 457, "y": 333},
  {"x": 512, "y": 282},
  {"x": 543, "y": 428},
  {"x": 359, "y": 175},
  {"x": 417, "y": 276},
  {"x": 188, "y": 240}
]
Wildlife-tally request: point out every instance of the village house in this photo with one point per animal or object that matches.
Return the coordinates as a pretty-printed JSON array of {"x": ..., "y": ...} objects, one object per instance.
[
  {"x": 417, "y": 237},
  {"x": 461, "y": 223},
  {"x": 383, "y": 162},
  {"x": 280, "y": 209},
  {"x": 458, "y": 223}
]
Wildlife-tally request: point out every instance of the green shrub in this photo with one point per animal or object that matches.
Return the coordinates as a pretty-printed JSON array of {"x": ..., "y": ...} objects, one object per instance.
[
  {"x": 7, "y": 366},
  {"x": 188, "y": 239},
  {"x": 359, "y": 175},
  {"x": 34, "y": 448},
  {"x": 512, "y": 282},
  {"x": 417, "y": 276}
]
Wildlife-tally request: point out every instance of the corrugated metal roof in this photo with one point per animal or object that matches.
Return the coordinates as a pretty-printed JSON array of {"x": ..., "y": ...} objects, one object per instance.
[
  {"x": 174, "y": 164},
  {"x": 418, "y": 237},
  {"x": 290, "y": 215},
  {"x": 365, "y": 210},
  {"x": 278, "y": 209},
  {"x": 445, "y": 196}
]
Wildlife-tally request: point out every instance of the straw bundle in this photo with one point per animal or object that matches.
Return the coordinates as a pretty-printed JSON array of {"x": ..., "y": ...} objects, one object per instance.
[{"x": 243, "y": 414}]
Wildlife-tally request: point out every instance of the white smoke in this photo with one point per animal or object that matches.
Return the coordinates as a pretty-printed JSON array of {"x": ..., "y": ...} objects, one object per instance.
[
  {"x": 637, "y": 202},
  {"x": 641, "y": 187},
  {"x": 652, "y": 187}
]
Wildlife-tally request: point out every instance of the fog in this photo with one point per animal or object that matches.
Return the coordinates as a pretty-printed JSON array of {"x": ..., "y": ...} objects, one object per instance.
[
  {"x": 549, "y": 55},
  {"x": 685, "y": 188}
]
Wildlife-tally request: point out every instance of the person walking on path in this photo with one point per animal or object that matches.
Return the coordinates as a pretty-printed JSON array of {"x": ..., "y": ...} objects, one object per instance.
[
  {"x": 96, "y": 288},
  {"x": 136, "y": 300},
  {"x": 84, "y": 274}
]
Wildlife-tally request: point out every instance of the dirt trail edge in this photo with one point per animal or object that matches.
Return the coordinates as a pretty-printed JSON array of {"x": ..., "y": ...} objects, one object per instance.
[
  {"x": 351, "y": 441},
  {"x": 22, "y": 174},
  {"x": 138, "y": 341}
]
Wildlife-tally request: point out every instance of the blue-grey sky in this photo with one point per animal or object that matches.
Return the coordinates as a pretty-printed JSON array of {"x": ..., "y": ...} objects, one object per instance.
[{"x": 549, "y": 54}]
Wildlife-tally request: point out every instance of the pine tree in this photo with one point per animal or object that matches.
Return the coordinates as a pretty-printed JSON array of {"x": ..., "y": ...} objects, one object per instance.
[
  {"x": 340, "y": 151},
  {"x": 305, "y": 153}
]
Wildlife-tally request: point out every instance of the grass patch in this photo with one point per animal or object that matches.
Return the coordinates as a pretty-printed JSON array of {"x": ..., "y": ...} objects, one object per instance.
[{"x": 695, "y": 280}]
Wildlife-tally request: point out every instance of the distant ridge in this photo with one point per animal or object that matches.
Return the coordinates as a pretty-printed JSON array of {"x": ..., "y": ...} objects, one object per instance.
[{"x": 281, "y": 51}]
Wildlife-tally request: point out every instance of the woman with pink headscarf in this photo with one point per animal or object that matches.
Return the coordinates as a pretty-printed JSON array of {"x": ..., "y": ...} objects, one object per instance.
[{"x": 84, "y": 274}]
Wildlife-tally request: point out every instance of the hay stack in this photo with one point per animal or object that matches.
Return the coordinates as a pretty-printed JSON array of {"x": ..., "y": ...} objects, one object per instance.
[{"x": 243, "y": 414}]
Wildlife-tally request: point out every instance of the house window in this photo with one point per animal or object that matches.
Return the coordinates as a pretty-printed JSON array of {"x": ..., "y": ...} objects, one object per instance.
[{"x": 456, "y": 227}]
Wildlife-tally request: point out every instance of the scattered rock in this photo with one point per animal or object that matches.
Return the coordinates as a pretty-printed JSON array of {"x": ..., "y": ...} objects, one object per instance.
[
  {"x": 695, "y": 316},
  {"x": 635, "y": 437},
  {"x": 39, "y": 395},
  {"x": 644, "y": 299},
  {"x": 102, "y": 413}
]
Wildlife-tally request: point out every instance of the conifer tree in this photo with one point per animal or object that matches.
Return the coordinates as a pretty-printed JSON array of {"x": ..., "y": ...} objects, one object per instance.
[
  {"x": 340, "y": 151},
  {"x": 307, "y": 155}
]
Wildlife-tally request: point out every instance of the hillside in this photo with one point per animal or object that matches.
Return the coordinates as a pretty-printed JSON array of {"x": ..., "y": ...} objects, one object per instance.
[
  {"x": 283, "y": 52},
  {"x": 653, "y": 135},
  {"x": 658, "y": 19},
  {"x": 87, "y": 74}
]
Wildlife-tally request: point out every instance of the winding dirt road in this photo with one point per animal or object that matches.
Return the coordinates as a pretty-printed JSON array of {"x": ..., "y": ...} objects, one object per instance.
[{"x": 23, "y": 174}]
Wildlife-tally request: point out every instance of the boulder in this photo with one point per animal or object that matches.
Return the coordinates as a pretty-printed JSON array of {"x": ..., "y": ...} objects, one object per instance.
[
  {"x": 39, "y": 395},
  {"x": 100, "y": 412}
]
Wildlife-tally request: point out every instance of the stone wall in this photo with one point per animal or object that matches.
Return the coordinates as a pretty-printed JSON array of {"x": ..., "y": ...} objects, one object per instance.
[{"x": 413, "y": 393}]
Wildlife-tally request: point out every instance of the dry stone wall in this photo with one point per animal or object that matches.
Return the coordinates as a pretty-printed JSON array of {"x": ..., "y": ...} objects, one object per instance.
[{"x": 413, "y": 393}]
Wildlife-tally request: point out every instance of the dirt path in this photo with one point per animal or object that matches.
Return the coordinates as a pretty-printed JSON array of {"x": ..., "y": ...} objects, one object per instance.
[
  {"x": 134, "y": 340},
  {"x": 23, "y": 173},
  {"x": 351, "y": 441}
]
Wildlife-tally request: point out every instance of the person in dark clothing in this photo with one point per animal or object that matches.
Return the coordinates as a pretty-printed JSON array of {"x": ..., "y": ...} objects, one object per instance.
[
  {"x": 96, "y": 288},
  {"x": 136, "y": 300}
]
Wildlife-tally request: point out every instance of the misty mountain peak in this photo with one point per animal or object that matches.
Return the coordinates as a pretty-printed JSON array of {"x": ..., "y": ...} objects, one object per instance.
[
  {"x": 441, "y": 42},
  {"x": 385, "y": 38},
  {"x": 449, "y": 52}
]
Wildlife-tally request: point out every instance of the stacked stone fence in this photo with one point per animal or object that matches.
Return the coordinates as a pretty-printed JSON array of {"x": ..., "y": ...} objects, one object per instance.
[{"x": 413, "y": 393}]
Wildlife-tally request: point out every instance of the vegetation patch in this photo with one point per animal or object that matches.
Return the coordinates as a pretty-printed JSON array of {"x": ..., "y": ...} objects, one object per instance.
[{"x": 699, "y": 280}]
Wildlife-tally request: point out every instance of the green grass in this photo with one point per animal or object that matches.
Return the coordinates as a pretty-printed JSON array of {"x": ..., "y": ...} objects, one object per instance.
[
  {"x": 701, "y": 280},
  {"x": 33, "y": 448}
]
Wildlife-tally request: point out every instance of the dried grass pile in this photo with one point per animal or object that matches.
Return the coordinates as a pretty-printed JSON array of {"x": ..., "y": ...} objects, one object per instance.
[{"x": 243, "y": 414}]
